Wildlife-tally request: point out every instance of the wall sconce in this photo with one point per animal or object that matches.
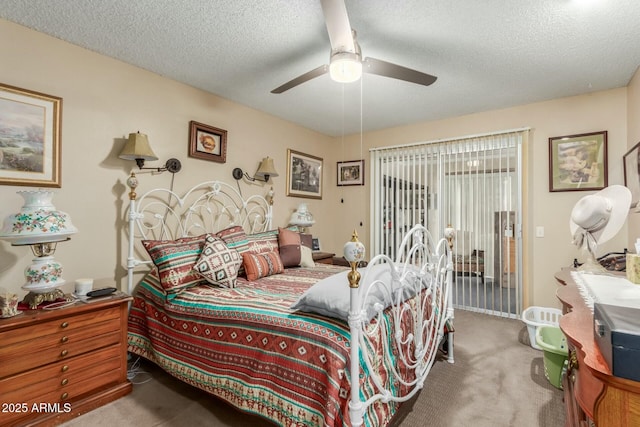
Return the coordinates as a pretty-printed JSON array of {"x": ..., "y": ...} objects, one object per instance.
[
  {"x": 137, "y": 148},
  {"x": 265, "y": 171}
]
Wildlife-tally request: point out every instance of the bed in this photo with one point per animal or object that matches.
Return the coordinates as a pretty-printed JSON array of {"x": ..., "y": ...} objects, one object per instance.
[{"x": 271, "y": 337}]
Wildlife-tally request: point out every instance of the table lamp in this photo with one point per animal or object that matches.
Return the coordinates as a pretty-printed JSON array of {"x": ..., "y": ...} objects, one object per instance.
[{"x": 41, "y": 226}]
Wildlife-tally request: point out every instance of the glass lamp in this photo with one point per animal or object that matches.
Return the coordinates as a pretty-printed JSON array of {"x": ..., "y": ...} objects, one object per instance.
[
  {"x": 302, "y": 218},
  {"x": 41, "y": 226}
]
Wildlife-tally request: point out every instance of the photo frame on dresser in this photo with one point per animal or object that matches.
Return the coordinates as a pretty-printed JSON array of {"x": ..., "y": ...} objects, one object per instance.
[
  {"x": 578, "y": 162},
  {"x": 207, "y": 142},
  {"x": 31, "y": 130}
]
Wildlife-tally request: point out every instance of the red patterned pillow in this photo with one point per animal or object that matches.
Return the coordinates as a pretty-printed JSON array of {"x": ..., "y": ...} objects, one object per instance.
[
  {"x": 261, "y": 265},
  {"x": 175, "y": 260},
  {"x": 218, "y": 263},
  {"x": 289, "y": 242}
]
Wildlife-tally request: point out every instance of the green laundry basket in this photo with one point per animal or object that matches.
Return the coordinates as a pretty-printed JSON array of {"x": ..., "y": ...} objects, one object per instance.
[{"x": 554, "y": 344}]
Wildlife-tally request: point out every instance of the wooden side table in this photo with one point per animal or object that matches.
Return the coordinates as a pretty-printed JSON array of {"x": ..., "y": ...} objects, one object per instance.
[
  {"x": 323, "y": 257},
  {"x": 58, "y": 364}
]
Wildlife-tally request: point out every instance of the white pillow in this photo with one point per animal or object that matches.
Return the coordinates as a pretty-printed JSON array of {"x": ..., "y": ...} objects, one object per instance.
[
  {"x": 306, "y": 257},
  {"x": 331, "y": 296}
]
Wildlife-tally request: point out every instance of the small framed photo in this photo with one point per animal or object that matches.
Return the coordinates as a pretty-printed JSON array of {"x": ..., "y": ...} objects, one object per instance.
[
  {"x": 351, "y": 172},
  {"x": 315, "y": 242},
  {"x": 631, "y": 162},
  {"x": 29, "y": 138},
  {"x": 578, "y": 162},
  {"x": 207, "y": 142},
  {"x": 304, "y": 175}
]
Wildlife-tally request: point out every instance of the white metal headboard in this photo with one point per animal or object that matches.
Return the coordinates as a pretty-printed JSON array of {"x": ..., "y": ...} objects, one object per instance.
[{"x": 208, "y": 207}]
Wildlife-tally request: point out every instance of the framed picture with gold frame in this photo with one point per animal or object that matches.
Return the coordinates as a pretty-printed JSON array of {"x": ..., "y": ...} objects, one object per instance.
[
  {"x": 29, "y": 138},
  {"x": 304, "y": 175},
  {"x": 578, "y": 162}
]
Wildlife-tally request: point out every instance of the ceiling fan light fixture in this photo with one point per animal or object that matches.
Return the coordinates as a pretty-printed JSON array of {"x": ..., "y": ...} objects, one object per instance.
[{"x": 345, "y": 67}]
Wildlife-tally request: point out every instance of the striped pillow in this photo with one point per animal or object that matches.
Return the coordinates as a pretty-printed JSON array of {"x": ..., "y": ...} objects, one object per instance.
[
  {"x": 266, "y": 241},
  {"x": 235, "y": 238},
  {"x": 261, "y": 265},
  {"x": 174, "y": 260}
]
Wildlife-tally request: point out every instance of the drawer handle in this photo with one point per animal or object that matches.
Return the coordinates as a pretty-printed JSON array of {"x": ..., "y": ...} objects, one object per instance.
[
  {"x": 64, "y": 325},
  {"x": 573, "y": 360},
  {"x": 64, "y": 396},
  {"x": 64, "y": 339},
  {"x": 63, "y": 353},
  {"x": 65, "y": 381},
  {"x": 65, "y": 368}
]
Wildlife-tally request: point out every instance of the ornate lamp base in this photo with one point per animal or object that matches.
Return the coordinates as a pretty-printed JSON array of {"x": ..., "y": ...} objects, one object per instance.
[{"x": 34, "y": 299}]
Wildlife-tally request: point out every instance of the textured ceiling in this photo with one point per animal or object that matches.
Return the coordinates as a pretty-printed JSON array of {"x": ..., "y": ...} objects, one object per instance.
[{"x": 486, "y": 54}]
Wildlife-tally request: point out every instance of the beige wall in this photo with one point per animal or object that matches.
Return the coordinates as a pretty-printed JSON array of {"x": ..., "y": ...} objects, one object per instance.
[
  {"x": 543, "y": 256},
  {"x": 104, "y": 100},
  {"x": 633, "y": 137}
]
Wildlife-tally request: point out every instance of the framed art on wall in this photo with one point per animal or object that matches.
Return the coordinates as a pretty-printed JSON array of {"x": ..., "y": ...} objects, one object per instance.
[
  {"x": 207, "y": 142},
  {"x": 304, "y": 175},
  {"x": 631, "y": 162},
  {"x": 351, "y": 172},
  {"x": 29, "y": 137},
  {"x": 578, "y": 162}
]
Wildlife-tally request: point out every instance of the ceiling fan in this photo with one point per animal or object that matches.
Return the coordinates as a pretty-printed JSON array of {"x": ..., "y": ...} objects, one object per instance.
[{"x": 346, "y": 64}]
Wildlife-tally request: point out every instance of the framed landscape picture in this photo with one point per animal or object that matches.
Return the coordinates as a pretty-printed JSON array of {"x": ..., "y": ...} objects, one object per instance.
[
  {"x": 578, "y": 162},
  {"x": 29, "y": 138},
  {"x": 304, "y": 175},
  {"x": 351, "y": 172}
]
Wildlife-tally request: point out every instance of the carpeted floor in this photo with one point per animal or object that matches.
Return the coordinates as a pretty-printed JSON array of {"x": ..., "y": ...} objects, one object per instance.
[{"x": 497, "y": 380}]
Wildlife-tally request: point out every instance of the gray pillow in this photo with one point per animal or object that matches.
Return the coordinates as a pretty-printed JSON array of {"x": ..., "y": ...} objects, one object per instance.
[{"x": 331, "y": 296}]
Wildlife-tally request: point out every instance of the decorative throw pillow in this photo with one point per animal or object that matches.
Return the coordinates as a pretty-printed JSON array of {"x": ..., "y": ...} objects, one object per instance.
[
  {"x": 218, "y": 263},
  {"x": 266, "y": 241},
  {"x": 306, "y": 257},
  {"x": 235, "y": 238},
  {"x": 261, "y": 265},
  {"x": 306, "y": 240},
  {"x": 289, "y": 243},
  {"x": 175, "y": 260}
]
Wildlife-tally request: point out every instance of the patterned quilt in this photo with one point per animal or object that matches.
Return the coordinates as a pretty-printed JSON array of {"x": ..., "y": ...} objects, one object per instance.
[{"x": 246, "y": 346}]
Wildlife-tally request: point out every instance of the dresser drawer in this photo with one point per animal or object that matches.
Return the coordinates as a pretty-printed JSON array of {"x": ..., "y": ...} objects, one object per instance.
[
  {"x": 78, "y": 337},
  {"x": 63, "y": 400},
  {"x": 61, "y": 376}
]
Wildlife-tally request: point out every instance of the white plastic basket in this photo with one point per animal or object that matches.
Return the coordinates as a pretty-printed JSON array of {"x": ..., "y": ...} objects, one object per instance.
[{"x": 539, "y": 316}]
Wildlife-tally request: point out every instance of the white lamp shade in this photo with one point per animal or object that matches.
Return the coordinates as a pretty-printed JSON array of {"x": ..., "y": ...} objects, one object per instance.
[{"x": 37, "y": 222}]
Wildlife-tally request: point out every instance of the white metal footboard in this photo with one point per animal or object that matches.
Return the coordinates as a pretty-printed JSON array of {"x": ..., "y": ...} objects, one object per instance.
[
  {"x": 161, "y": 214},
  {"x": 411, "y": 335}
]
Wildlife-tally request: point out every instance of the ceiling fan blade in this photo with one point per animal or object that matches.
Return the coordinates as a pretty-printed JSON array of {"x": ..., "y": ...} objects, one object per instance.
[
  {"x": 387, "y": 69},
  {"x": 338, "y": 26},
  {"x": 317, "y": 72}
]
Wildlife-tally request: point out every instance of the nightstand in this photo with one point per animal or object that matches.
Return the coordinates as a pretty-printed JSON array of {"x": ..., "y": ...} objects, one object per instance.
[
  {"x": 58, "y": 364},
  {"x": 322, "y": 257}
]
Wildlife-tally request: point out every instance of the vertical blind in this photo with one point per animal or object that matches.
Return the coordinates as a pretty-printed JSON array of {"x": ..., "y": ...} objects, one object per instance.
[{"x": 472, "y": 184}]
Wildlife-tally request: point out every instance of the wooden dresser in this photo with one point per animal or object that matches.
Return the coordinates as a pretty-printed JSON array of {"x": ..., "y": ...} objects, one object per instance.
[
  {"x": 592, "y": 395},
  {"x": 59, "y": 364}
]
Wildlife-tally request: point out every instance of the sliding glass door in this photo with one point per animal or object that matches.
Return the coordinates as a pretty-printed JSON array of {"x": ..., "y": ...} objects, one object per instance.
[{"x": 472, "y": 185}]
